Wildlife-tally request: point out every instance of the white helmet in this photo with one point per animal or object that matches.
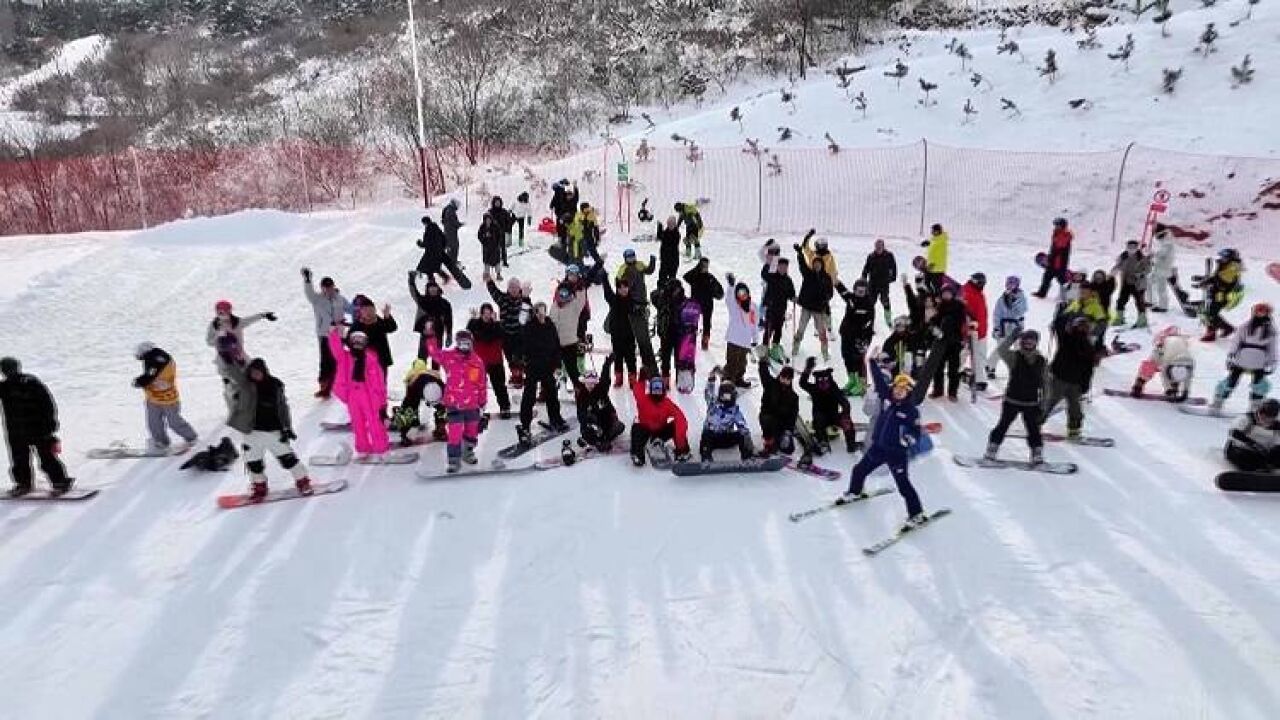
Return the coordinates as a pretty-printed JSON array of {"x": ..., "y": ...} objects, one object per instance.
[{"x": 142, "y": 349}]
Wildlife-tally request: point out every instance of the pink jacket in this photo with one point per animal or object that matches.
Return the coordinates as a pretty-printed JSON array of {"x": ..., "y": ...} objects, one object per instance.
[
  {"x": 375, "y": 382},
  {"x": 466, "y": 386}
]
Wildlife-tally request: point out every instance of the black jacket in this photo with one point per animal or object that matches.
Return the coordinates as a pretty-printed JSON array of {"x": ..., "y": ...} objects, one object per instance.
[
  {"x": 858, "y": 324},
  {"x": 778, "y": 401},
  {"x": 432, "y": 244},
  {"x": 880, "y": 270},
  {"x": 436, "y": 309},
  {"x": 29, "y": 410},
  {"x": 952, "y": 318},
  {"x": 667, "y": 301},
  {"x": 1026, "y": 374},
  {"x": 618, "y": 320},
  {"x": 492, "y": 237},
  {"x": 449, "y": 219},
  {"x": 594, "y": 406},
  {"x": 668, "y": 244},
  {"x": 155, "y": 361},
  {"x": 829, "y": 403},
  {"x": 378, "y": 330},
  {"x": 816, "y": 289},
  {"x": 1076, "y": 356},
  {"x": 704, "y": 287},
  {"x": 508, "y": 308},
  {"x": 778, "y": 291},
  {"x": 541, "y": 346}
]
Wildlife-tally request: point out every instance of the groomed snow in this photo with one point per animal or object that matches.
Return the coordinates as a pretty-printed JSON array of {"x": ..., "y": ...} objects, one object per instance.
[{"x": 1131, "y": 590}]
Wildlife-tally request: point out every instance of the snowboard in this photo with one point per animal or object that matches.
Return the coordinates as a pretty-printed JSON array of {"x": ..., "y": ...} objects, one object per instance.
[
  {"x": 659, "y": 454},
  {"x": 1206, "y": 411},
  {"x": 123, "y": 452},
  {"x": 798, "y": 516},
  {"x": 876, "y": 548},
  {"x": 1273, "y": 270},
  {"x": 1059, "y": 437},
  {"x": 546, "y": 433},
  {"x": 933, "y": 428},
  {"x": 754, "y": 465},
  {"x": 1045, "y": 467},
  {"x": 1113, "y": 392},
  {"x": 228, "y": 502},
  {"x": 580, "y": 454},
  {"x": 335, "y": 426},
  {"x": 810, "y": 469},
  {"x": 497, "y": 467},
  {"x": 455, "y": 270},
  {"x": 1245, "y": 481},
  {"x": 344, "y": 458},
  {"x": 687, "y": 346},
  {"x": 46, "y": 495}
]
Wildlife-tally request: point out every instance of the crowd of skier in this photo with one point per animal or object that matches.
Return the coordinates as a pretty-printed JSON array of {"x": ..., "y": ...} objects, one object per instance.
[{"x": 657, "y": 319}]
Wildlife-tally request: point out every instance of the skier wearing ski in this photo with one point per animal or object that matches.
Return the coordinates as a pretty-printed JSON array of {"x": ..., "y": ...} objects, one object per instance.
[
  {"x": 857, "y": 328},
  {"x": 633, "y": 272},
  {"x": 1071, "y": 370},
  {"x": 260, "y": 411},
  {"x": 465, "y": 395},
  {"x": 512, "y": 304},
  {"x": 1223, "y": 291},
  {"x": 705, "y": 288},
  {"x": 1007, "y": 317},
  {"x": 779, "y": 292},
  {"x": 1133, "y": 266},
  {"x": 668, "y": 300},
  {"x": 880, "y": 271},
  {"x": 949, "y": 325},
  {"x": 159, "y": 384},
  {"x": 1023, "y": 394},
  {"x": 433, "y": 258},
  {"x": 691, "y": 218},
  {"x": 896, "y": 429},
  {"x": 1164, "y": 269},
  {"x": 658, "y": 418},
  {"x": 597, "y": 417},
  {"x": 541, "y": 344},
  {"x": 431, "y": 308},
  {"x": 487, "y": 339},
  {"x": 523, "y": 215},
  {"x": 741, "y": 333},
  {"x": 1171, "y": 358},
  {"x": 360, "y": 383},
  {"x": 622, "y": 339},
  {"x": 31, "y": 424},
  {"x": 330, "y": 308},
  {"x": 724, "y": 426},
  {"x": 975, "y": 304},
  {"x": 226, "y": 322},
  {"x": 449, "y": 219},
  {"x": 938, "y": 246},
  {"x": 780, "y": 424},
  {"x": 668, "y": 237},
  {"x": 564, "y": 314},
  {"x": 493, "y": 243},
  {"x": 504, "y": 220},
  {"x": 816, "y": 290},
  {"x": 1253, "y": 351},
  {"x": 830, "y": 407},
  {"x": 1058, "y": 258},
  {"x": 1254, "y": 442}
]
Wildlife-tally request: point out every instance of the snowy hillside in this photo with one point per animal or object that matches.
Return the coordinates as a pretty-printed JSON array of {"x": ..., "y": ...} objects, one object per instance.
[{"x": 1131, "y": 590}]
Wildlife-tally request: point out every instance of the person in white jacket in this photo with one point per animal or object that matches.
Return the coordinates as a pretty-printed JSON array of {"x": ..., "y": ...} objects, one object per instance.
[
  {"x": 1253, "y": 351},
  {"x": 1008, "y": 316},
  {"x": 1164, "y": 270},
  {"x": 523, "y": 214},
  {"x": 330, "y": 308},
  {"x": 565, "y": 312},
  {"x": 742, "y": 332},
  {"x": 1171, "y": 358}
]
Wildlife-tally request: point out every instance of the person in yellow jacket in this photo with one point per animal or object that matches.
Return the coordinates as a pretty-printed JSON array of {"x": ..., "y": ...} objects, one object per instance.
[
  {"x": 936, "y": 257},
  {"x": 584, "y": 234},
  {"x": 159, "y": 383},
  {"x": 1090, "y": 306},
  {"x": 818, "y": 250},
  {"x": 1222, "y": 291},
  {"x": 691, "y": 218}
]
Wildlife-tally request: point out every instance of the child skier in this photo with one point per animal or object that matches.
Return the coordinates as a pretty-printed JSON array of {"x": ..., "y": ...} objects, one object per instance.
[
  {"x": 1008, "y": 318},
  {"x": 30, "y": 423},
  {"x": 705, "y": 288},
  {"x": 360, "y": 384},
  {"x": 880, "y": 271},
  {"x": 465, "y": 394},
  {"x": 1023, "y": 394},
  {"x": 780, "y": 424},
  {"x": 1133, "y": 266},
  {"x": 260, "y": 410},
  {"x": 857, "y": 328},
  {"x": 159, "y": 383},
  {"x": 741, "y": 334},
  {"x": 724, "y": 426},
  {"x": 1171, "y": 358},
  {"x": 433, "y": 309},
  {"x": 1253, "y": 351},
  {"x": 830, "y": 407},
  {"x": 896, "y": 430},
  {"x": 597, "y": 417},
  {"x": 1254, "y": 443},
  {"x": 779, "y": 292},
  {"x": 226, "y": 322},
  {"x": 657, "y": 419},
  {"x": 487, "y": 338}
]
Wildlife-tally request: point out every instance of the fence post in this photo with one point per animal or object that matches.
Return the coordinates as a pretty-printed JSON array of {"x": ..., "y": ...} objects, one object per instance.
[
  {"x": 924, "y": 185},
  {"x": 142, "y": 197},
  {"x": 306, "y": 184},
  {"x": 1115, "y": 212},
  {"x": 759, "y": 193}
]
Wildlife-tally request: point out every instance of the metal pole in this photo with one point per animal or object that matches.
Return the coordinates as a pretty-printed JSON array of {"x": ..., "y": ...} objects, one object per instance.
[
  {"x": 1115, "y": 212},
  {"x": 417, "y": 83},
  {"x": 142, "y": 198}
]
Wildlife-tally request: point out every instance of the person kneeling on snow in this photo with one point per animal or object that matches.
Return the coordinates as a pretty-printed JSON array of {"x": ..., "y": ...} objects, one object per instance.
[
  {"x": 725, "y": 425},
  {"x": 830, "y": 408},
  {"x": 360, "y": 384},
  {"x": 1171, "y": 357},
  {"x": 260, "y": 410},
  {"x": 657, "y": 418},
  {"x": 597, "y": 417},
  {"x": 466, "y": 392},
  {"x": 1254, "y": 442}
]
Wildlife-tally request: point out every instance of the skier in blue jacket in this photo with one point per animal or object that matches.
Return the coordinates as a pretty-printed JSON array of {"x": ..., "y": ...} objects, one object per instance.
[
  {"x": 725, "y": 426},
  {"x": 896, "y": 431}
]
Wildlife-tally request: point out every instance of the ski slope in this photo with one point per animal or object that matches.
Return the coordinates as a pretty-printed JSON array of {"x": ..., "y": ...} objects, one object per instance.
[{"x": 1132, "y": 590}]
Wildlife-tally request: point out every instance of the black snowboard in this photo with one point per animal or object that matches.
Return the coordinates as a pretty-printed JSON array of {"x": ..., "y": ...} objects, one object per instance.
[
  {"x": 456, "y": 272},
  {"x": 1242, "y": 481},
  {"x": 755, "y": 465},
  {"x": 543, "y": 435}
]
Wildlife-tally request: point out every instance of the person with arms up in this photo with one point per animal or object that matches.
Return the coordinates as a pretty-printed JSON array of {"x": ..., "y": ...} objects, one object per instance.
[{"x": 330, "y": 308}]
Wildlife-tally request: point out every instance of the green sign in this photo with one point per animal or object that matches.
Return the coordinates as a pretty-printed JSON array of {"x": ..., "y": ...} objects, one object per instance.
[{"x": 624, "y": 172}]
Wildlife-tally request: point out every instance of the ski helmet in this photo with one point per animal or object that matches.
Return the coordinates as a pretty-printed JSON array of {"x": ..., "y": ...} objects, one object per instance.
[
  {"x": 142, "y": 349},
  {"x": 590, "y": 379},
  {"x": 358, "y": 340},
  {"x": 1269, "y": 408},
  {"x": 463, "y": 341},
  {"x": 1228, "y": 255},
  {"x": 727, "y": 393},
  {"x": 1060, "y": 222},
  {"x": 222, "y": 306},
  {"x": 1013, "y": 282},
  {"x": 10, "y": 367},
  {"x": 903, "y": 381},
  {"x": 563, "y": 294},
  {"x": 1262, "y": 309},
  {"x": 820, "y": 244},
  {"x": 656, "y": 386},
  {"x": 629, "y": 255},
  {"x": 979, "y": 279}
]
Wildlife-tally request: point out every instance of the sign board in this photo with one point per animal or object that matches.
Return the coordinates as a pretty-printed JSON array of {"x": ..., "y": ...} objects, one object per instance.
[{"x": 624, "y": 172}]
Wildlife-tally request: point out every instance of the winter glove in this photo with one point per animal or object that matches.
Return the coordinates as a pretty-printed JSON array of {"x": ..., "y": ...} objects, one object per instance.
[
  {"x": 306, "y": 274},
  {"x": 924, "y": 244},
  {"x": 271, "y": 317},
  {"x": 810, "y": 363},
  {"x": 287, "y": 435},
  {"x": 55, "y": 445},
  {"x": 796, "y": 247},
  {"x": 936, "y": 332}
]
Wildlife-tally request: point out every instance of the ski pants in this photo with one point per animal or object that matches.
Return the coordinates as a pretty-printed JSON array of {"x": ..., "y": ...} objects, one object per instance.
[
  {"x": 546, "y": 384},
  {"x": 258, "y": 443},
  {"x": 948, "y": 369},
  {"x": 640, "y": 331},
  {"x": 464, "y": 426},
  {"x": 624, "y": 352},
  {"x": 601, "y": 435},
  {"x": 708, "y": 309},
  {"x": 713, "y": 440},
  {"x": 569, "y": 358},
  {"x": 513, "y": 349},
  {"x": 1258, "y": 389},
  {"x": 1213, "y": 317},
  {"x": 667, "y": 352},
  {"x": 520, "y": 227},
  {"x": 20, "y": 460},
  {"x": 820, "y": 319},
  {"x": 773, "y": 322},
  {"x": 735, "y": 363},
  {"x": 158, "y": 416},
  {"x": 328, "y": 365},
  {"x": 641, "y": 436},
  {"x": 498, "y": 381},
  {"x": 823, "y": 422},
  {"x": 1252, "y": 459},
  {"x": 897, "y": 462},
  {"x": 1049, "y": 276},
  {"x": 366, "y": 423},
  {"x": 451, "y": 246},
  {"x": 1060, "y": 390},
  {"x": 1131, "y": 291},
  {"x": 881, "y": 293},
  {"x": 1030, "y": 420},
  {"x": 854, "y": 354}
]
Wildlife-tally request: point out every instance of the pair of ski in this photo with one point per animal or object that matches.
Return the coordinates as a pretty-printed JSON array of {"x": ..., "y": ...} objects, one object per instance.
[
  {"x": 880, "y": 545},
  {"x": 48, "y": 495}
]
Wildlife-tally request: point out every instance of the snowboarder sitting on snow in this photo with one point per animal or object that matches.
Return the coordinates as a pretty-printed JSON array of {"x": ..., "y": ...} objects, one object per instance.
[
  {"x": 1253, "y": 351},
  {"x": 1057, "y": 259},
  {"x": 465, "y": 394},
  {"x": 1023, "y": 394},
  {"x": 856, "y": 330},
  {"x": 261, "y": 412},
  {"x": 1171, "y": 358},
  {"x": 31, "y": 423},
  {"x": 779, "y": 291},
  {"x": 830, "y": 408},
  {"x": 1071, "y": 370},
  {"x": 1133, "y": 267},
  {"x": 780, "y": 424},
  {"x": 159, "y": 382},
  {"x": 668, "y": 248},
  {"x": 896, "y": 430},
  {"x": 1254, "y": 442},
  {"x": 1223, "y": 291},
  {"x": 431, "y": 308},
  {"x": 741, "y": 333},
  {"x": 488, "y": 337},
  {"x": 657, "y": 419},
  {"x": 226, "y": 322},
  {"x": 597, "y": 417},
  {"x": 705, "y": 288},
  {"x": 725, "y": 425},
  {"x": 421, "y": 384},
  {"x": 880, "y": 271},
  {"x": 362, "y": 386},
  {"x": 1008, "y": 317}
]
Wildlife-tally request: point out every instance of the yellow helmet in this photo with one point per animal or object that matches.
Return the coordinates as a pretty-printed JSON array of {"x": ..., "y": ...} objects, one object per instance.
[{"x": 904, "y": 381}]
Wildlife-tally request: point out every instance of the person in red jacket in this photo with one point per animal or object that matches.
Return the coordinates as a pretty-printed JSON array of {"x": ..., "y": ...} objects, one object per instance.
[
  {"x": 487, "y": 334},
  {"x": 976, "y": 305},
  {"x": 1055, "y": 267},
  {"x": 657, "y": 418}
]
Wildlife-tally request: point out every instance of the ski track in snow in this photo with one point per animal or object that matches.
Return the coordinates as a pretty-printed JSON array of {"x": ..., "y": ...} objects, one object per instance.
[{"x": 1131, "y": 589}]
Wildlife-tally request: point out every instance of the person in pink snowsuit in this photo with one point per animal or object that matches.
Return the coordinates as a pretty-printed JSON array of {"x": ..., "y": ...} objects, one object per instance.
[
  {"x": 361, "y": 384},
  {"x": 466, "y": 391}
]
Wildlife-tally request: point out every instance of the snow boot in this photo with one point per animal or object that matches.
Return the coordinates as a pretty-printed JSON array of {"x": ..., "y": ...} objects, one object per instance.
[
  {"x": 455, "y": 464},
  {"x": 1210, "y": 335},
  {"x": 914, "y": 522},
  {"x": 18, "y": 491},
  {"x": 992, "y": 450},
  {"x": 303, "y": 484},
  {"x": 849, "y": 497},
  {"x": 854, "y": 387},
  {"x": 1136, "y": 390},
  {"x": 1141, "y": 322},
  {"x": 61, "y": 488},
  {"x": 1117, "y": 318},
  {"x": 1037, "y": 456},
  {"x": 469, "y": 453},
  {"x": 325, "y": 390},
  {"x": 1074, "y": 435},
  {"x": 257, "y": 491},
  {"x": 523, "y": 437},
  {"x": 560, "y": 426}
]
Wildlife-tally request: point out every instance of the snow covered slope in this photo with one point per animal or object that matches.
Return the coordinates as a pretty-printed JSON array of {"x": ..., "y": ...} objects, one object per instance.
[{"x": 1131, "y": 590}]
